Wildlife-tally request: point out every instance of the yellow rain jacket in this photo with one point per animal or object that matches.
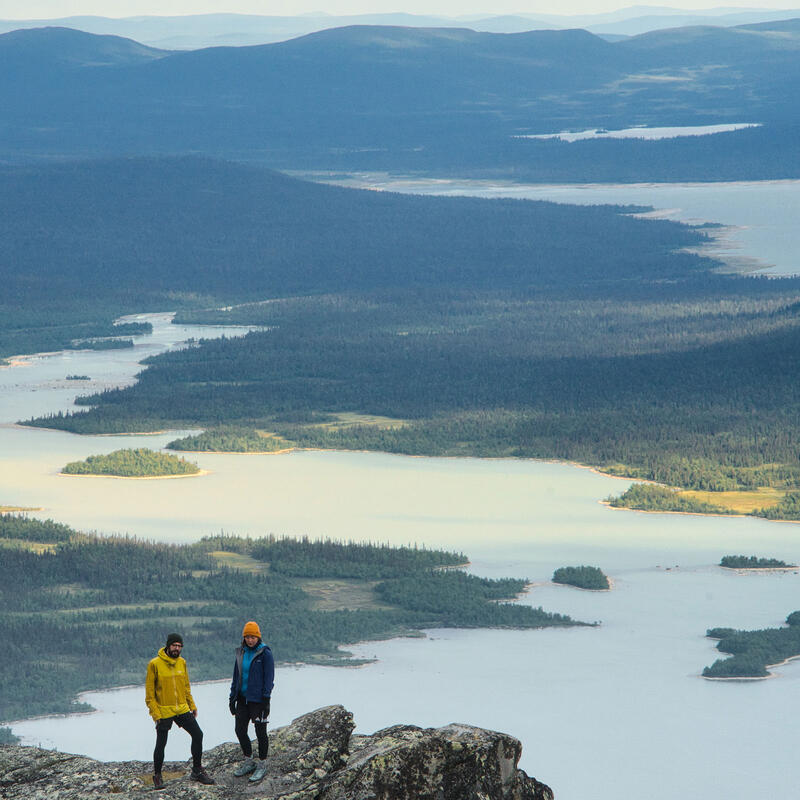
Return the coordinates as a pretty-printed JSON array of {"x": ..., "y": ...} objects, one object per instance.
[{"x": 166, "y": 688}]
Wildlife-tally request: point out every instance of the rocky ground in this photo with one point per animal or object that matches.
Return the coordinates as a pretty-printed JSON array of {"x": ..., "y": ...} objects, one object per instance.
[{"x": 316, "y": 757}]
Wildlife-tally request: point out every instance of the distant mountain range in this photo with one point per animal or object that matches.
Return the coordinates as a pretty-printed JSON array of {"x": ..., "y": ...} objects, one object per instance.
[
  {"x": 212, "y": 30},
  {"x": 387, "y": 97}
]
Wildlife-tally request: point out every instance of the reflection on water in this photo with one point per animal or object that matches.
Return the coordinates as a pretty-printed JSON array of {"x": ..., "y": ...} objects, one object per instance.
[{"x": 607, "y": 712}]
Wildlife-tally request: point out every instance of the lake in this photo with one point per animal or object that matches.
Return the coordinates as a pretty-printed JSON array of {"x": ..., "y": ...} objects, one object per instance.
[
  {"x": 761, "y": 234},
  {"x": 607, "y": 712},
  {"x": 640, "y": 132}
]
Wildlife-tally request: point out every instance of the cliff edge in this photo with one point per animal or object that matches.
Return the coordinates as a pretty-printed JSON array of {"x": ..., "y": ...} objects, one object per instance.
[{"x": 316, "y": 757}]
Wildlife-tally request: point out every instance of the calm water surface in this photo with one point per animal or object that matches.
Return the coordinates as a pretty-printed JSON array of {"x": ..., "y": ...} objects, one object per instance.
[{"x": 616, "y": 711}]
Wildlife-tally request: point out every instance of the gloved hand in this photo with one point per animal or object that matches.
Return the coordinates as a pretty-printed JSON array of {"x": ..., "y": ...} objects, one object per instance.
[
  {"x": 266, "y": 706},
  {"x": 232, "y": 706}
]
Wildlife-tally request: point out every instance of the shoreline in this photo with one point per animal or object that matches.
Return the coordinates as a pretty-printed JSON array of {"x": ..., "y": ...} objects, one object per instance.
[
  {"x": 683, "y": 513},
  {"x": 285, "y": 451},
  {"x": 755, "y": 677},
  {"x": 732, "y": 515},
  {"x": 611, "y": 585},
  {"x": 237, "y": 452},
  {"x": 134, "y": 477},
  {"x": 790, "y": 568}
]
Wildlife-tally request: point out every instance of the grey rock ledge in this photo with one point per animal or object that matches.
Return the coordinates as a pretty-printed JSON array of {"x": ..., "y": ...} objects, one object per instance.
[{"x": 316, "y": 757}]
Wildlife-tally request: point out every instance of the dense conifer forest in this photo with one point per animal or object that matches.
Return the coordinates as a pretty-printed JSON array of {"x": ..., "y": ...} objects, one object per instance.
[
  {"x": 697, "y": 390},
  {"x": 103, "y": 606},
  {"x": 230, "y": 439},
  {"x": 84, "y": 242},
  {"x": 753, "y": 562}
]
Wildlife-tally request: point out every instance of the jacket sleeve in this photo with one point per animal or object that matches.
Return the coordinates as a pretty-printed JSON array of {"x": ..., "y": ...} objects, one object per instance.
[
  {"x": 188, "y": 689},
  {"x": 269, "y": 672},
  {"x": 235, "y": 681},
  {"x": 150, "y": 691}
]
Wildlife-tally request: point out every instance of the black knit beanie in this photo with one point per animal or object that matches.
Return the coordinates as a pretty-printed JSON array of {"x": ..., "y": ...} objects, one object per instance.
[{"x": 174, "y": 637}]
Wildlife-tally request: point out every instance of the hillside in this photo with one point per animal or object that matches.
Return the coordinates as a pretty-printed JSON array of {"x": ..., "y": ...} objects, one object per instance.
[
  {"x": 88, "y": 241},
  {"x": 192, "y": 31},
  {"x": 385, "y": 97},
  {"x": 64, "y": 48}
]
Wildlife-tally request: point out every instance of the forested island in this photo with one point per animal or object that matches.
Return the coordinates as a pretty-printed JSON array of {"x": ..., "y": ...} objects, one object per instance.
[
  {"x": 753, "y": 651},
  {"x": 133, "y": 463},
  {"x": 583, "y": 577},
  {"x": 753, "y": 562},
  {"x": 103, "y": 605}
]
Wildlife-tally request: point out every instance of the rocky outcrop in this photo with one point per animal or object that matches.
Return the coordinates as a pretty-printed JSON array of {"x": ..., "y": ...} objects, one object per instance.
[{"x": 316, "y": 757}]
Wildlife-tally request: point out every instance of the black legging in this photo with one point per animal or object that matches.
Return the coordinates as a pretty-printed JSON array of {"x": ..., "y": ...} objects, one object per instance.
[
  {"x": 189, "y": 724},
  {"x": 244, "y": 713}
]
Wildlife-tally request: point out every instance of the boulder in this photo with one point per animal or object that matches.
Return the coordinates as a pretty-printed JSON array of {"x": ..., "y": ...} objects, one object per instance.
[{"x": 316, "y": 757}]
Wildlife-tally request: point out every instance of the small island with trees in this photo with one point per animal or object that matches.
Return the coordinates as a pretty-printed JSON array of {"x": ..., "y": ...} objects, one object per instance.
[
  {"x": 754, "y": 562},
  {"x": 752, "y": 652},
  {"x": 584, "y": 577},
  {"x": 133, "y": 463}
]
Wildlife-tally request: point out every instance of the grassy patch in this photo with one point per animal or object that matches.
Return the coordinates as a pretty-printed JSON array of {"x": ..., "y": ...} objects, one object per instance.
[
  {"x": 240, "y": 561},
  {"x": 652, "y": 497},
  {"x": 34, "y": 547},
  {"x": 349, "y": 419},
  {"x": 739, "y": 502},
  {"x": 338, "y": 595}
]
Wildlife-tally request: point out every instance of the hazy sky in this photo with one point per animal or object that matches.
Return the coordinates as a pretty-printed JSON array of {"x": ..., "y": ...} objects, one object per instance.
[{"x": 42, "y": 9}]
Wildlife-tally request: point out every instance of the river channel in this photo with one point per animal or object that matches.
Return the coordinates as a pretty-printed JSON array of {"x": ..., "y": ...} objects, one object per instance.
[{"x": 616, "y": 711}]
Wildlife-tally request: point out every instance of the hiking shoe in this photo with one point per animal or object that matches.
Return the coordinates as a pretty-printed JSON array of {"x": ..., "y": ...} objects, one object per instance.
[
  {"x": 201, "y": 776},
  {"x": 158, "y": 781},
  {"x": 261, "y": 771},
  {"x": 245, "y": 768}
]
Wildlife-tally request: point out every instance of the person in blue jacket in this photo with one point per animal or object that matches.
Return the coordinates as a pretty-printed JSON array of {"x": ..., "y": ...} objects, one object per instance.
[{"x": 251, "y": 689}]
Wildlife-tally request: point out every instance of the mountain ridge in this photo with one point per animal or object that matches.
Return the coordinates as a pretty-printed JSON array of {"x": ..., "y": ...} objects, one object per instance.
[{"x": 361, "y": 90}]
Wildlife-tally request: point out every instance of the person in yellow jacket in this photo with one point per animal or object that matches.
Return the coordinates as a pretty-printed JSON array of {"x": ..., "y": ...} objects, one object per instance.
[{"x": 169, "y": 699}]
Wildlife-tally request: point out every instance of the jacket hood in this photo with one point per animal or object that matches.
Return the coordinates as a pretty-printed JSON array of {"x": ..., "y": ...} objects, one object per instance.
[{"x": 162, "y": 653}]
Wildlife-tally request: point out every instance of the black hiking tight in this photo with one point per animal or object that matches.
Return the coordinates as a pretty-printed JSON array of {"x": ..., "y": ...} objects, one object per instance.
[
  {"x": 245, "y": 712},
  {"x": 189, "y": 724}
]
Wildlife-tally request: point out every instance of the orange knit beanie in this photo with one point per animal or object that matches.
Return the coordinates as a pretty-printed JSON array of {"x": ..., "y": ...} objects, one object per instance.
[{"x": 251, "y": 629}]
